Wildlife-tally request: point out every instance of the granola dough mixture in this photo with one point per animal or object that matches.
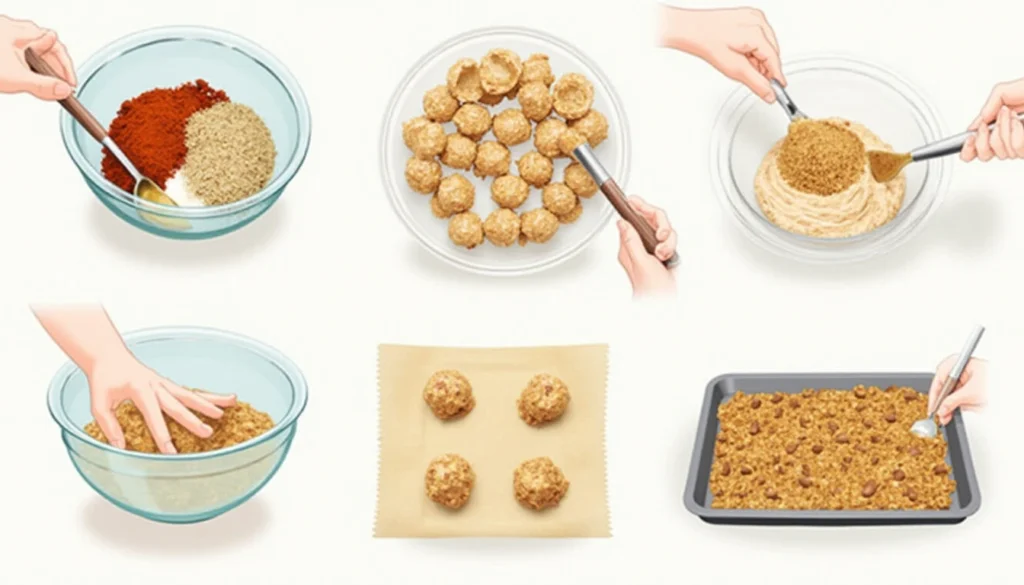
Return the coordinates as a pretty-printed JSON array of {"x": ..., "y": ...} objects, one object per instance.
[
  {"x": 449, "y": 394},
  {"x": 449, "y": 481},
  {"x": 539, "y": 483},
  {"x": 816, "y": 181},
  {"x": 239, "y": 424},
  {"x": 544, "y": 399},
  {"x": 828, "y": 450}
]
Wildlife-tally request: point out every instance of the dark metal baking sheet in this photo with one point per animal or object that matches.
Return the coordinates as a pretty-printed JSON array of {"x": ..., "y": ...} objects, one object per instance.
[{"x": 697, "y": 497}]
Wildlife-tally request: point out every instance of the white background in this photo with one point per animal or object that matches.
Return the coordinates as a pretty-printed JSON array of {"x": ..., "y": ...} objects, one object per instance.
[{"x": 330, "y": 272}]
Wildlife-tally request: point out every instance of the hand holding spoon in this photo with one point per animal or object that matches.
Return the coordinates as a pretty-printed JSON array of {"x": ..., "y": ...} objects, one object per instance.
[
  {"x": 926, "y": 427},
  {"x": 886, "y": 165}
]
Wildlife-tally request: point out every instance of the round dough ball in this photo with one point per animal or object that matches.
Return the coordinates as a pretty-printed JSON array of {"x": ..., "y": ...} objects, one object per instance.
[
  {"x": 492, "y": 160},
  {"x": 449, "y": 394},
  {"x": 456, "y": 194},
  {"x": 573, "y": 96},
  {"x": 439, "y": 105},
  {"x": 509, "y": 191},
  {"x": 572, "y": 215},
  {"x": 491, "y": 100},
  {"x": 472, "y": 120},
  {"x": 449, "y": 481},
  {"x": 459, "y": 152},
  {"x": 539, "y": 484},
  {"x": 544, "y": 399},
  {"x": 537, "y": 68},
  {"x": 428, "y": 140},
  {"x": 438, "y": 210},
  {"x": 423, "y": 175},
  {"x": 535, "y": 168},
  {"x": 579, "y": 180},
  {"x": 410, "y": 129},
  {"x": 536, "y": 100},
  {"x": 502, "y": 227},
  {"x": 559, "y": 199},
  {"x": 512, "y": 127},
  {"x": 466, "y": 230},
  {"x": 464, "y": 81},
  {"x": 569, "y": 140},
  {"x": 593, "y": 126},
  {"x": 499, "y": 71},
  {"x": 547, "y": 135},
  {"x": 538, "y": 225}
]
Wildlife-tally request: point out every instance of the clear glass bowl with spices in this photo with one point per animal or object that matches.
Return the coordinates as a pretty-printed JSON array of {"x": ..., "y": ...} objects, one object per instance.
[
  {"x": 205, "y": 67},
  {"x": 825, "y": 87},
  {"x": 192, "y": 487}
]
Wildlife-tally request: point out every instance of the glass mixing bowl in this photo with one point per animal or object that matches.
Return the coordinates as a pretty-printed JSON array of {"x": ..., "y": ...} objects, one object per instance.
[
  {"x": 189, "y": 487},
  {"x": 170, "y": 56},
  {"x": 746, "y": 128},
  {"x": 414, "y": 208}
]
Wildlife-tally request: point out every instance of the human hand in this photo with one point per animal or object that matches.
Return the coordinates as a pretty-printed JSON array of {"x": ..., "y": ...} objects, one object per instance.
[
  {"x": 646, "y": 272},
  {"x": 1006, "y": 139},
  {"x": 970, "y": 392},
  {"x": 738, "y": 42},
  {"x": 15, "y": 74}
]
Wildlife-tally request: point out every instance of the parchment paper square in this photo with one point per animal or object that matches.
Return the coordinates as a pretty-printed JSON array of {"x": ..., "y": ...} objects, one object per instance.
[{"x": 493, "y": 439}]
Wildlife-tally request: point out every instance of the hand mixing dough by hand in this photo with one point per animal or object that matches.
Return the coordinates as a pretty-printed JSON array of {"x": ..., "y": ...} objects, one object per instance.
[
  {"x": 544, "y": 399},
  {"x": 449, "y": 481},
  {"x": 449, "y": 394},
  {"x": 539, "y": 484}
]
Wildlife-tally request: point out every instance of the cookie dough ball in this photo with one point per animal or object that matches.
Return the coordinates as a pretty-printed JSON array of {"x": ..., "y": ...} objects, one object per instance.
[
  {"x": 423, "y": 175},
  {"x": 573, "y": 215},
  {"x": 547, "y": 135},
  {"x": 537, "y": 68},
  {"x": 538, "y": 226},
  {"x": 502, "y": 227},
  {"x": 544, "y": 399},
  {"x": 438, "y": 210},
  {"x": 491, "y": 100},
  {"x": 428, "y": 139},
  {"x": 539, "y": 483},
  {"x": 439, "y": 105},
  {"x": 536, "y": 100},
  {"x": 449, "y": 481},
  {"x": 449, "y": 394},
  {"x": 466, "y": 230},
  {"x": 410, "y": 130},
  {"x": 492, "y": 160},
  {"x": 459, "y": 152},
  {"x": 559, "y": 199},
  {"x": 535, "y": 168},
  {"x": 593, "y": 126},
  {"x": 456, "y": 194},
  {"x": 509, "y": 191},
  {"x": 579, "y": 180},
  {"x": 569, "y": 140},
  {"x": 573, "y": 96},
  {"x": 472, "y": 120},
  {"x": 499, "y": 71},
  {"x": 512, "y": 127},
  {"x": 464, "y": 81}
]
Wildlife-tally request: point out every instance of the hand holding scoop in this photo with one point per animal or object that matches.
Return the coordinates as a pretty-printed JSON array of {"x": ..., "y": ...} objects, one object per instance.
[{"x": 926, "y": 427}]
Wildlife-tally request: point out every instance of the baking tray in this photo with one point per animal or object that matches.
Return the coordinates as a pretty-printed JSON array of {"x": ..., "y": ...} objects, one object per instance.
[{"x": 697, "y": 498}]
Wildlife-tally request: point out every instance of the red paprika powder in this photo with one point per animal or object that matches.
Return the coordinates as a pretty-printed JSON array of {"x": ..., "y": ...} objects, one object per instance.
[{"x": 150, "y": 129}]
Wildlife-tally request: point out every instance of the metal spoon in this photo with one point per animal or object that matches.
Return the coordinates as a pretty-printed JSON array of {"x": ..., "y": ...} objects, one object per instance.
[
  {"x": 144, "y": 187},
  {"x": 786, "y": 102},
  {"x": 886, "y": 165},
  {"x": 926, "y": 427}
]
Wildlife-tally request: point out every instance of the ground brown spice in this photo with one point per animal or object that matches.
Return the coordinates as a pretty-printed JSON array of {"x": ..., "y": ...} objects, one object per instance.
[
  {"x": 821, "y": 157},
  {"x": 239, "y": 424}
]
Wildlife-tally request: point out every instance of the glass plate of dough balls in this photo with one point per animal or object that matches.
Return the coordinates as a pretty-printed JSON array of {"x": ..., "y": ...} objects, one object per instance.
[{"x": 473, "y": 150}]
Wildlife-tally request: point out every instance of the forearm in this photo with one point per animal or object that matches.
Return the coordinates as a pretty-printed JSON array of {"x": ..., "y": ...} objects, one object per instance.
[
  {"x": 85, "y": 333},
  {"x": 676, "y": 28}
]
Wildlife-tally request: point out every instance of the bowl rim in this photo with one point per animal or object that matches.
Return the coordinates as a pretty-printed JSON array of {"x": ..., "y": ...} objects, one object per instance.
[
  {"x": 390, "y": 119},
  {"x": 270, "y": 354},
  {"x": 830, "y": 250},
  {"x": 134, "y": 41}
]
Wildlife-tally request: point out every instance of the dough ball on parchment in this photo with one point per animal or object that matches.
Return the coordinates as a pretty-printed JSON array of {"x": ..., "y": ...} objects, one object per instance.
[
  {"x": 544, "y": 399},
  {"x": 449, "y": 481},
  {"x": 539, "y": 484},
  {"x": 449, "y": 394}
]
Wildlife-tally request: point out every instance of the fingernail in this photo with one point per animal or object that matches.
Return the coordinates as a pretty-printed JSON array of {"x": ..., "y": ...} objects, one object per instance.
[
  {"x": 662, "y": 234},
  {"x": 208, "y": 430},
  {"x": 119, "y": 443},
  {"x": 61, "y": 90},
  {"x": 169, "y": 447}
]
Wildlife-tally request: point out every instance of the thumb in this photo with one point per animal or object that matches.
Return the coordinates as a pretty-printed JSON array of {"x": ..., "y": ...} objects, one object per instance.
[
  {"x": 632, "y": 244},
  {"x": 43, "y": 87}
]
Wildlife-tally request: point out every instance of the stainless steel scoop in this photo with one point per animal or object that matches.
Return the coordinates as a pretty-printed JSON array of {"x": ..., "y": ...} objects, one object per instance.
[
  {"x": 926, "y": 427},
  {"x": 783, "y": 99}
]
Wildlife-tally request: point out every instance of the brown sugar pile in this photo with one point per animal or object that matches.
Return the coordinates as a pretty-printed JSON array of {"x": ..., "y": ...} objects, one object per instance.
[
  {"x": 238, "y": 424},
  {"x": 828, "y": 450},
  {"x": 821, "y": 157}
]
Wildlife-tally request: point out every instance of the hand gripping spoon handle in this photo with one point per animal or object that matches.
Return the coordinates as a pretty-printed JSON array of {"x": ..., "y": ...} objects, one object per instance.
[
  {"x": 617, "y": 198},
  {"x": 947, "y": 146},
  {"x": 926, "y": 426}
]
